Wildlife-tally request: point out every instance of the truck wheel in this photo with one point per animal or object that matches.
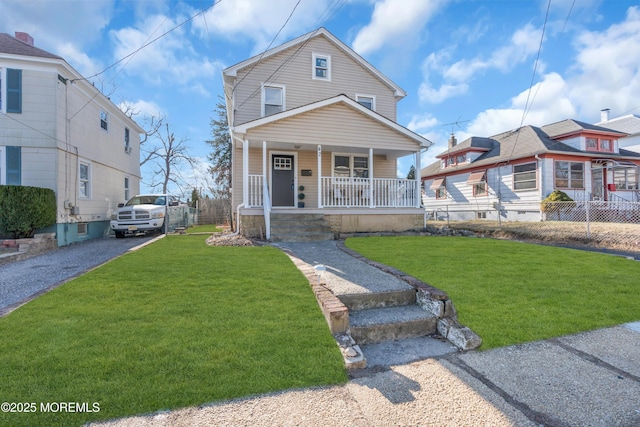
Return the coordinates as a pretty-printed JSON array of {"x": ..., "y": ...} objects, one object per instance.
[{"x": 119, "y": 234}]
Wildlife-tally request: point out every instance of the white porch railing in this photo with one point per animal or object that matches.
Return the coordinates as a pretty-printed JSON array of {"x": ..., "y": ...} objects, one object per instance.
[
  {"x": 256, "y": 192},
  {"x": 352, "y": 192},
  {"x": 369, "y": 192}
]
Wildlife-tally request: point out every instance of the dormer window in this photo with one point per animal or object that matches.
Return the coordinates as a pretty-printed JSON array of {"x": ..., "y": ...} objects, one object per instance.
[
  {"x": 321, "y": 67},
  {"x": 599, "y": 144}
]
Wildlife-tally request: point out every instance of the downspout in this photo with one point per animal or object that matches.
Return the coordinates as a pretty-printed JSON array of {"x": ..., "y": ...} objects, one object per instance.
[{"x": 541, "y": 165}]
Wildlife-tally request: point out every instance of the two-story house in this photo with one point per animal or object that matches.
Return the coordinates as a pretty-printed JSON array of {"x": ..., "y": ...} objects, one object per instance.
[
  {"x": 314, "y": 133},
  {"x": 508, "y": 175},
  {"x": 58, "y": 131}
]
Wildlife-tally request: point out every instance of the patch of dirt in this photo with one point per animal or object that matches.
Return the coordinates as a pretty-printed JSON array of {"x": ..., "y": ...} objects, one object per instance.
[{"x": 228, "y": 239}]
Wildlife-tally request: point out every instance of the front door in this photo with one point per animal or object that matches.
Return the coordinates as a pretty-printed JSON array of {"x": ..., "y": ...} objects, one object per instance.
[
  {"x": 597, "y": 183},
  {"x": 282, "y": 180}
]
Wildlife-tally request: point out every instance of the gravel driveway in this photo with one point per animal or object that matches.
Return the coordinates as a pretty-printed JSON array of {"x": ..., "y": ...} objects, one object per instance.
[{"x": 23, "y": 280}]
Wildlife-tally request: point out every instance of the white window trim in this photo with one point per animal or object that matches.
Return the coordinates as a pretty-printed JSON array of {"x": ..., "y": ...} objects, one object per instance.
[
  {"x": 3, "y": 166},
  {"x": 102, "y": 110},
  {"x": 89, "y": 180},
  {"x": 3, "y": 91},
  {"x": 313, "y": 66},
  {"x": 127, "y": 188},
  {"x": 127, "y": 144},
  {"x": 513, "y": 176},
  {"x": 262, "y": 97},
  {"x": 351, "y": 156},
  {"x": 363, "y": 95}
]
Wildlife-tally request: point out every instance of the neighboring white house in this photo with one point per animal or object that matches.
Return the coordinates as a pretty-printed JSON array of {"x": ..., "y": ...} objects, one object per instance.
[
  {"x": 314, "y": 114},
  {"x": 58, "y": 131},
  {"x": 507, "y": 175},
  {"x": 629, "y": 124}
]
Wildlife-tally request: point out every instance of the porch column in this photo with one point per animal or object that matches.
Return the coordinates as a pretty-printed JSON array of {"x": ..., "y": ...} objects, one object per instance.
[
  {"x": 418, "y": 180},
  {"x": 319, "y": 176},
  {"x": 264, "y": 165},
  {"x": 245, "y": 172},
  {"x": 371, "y": 201}
]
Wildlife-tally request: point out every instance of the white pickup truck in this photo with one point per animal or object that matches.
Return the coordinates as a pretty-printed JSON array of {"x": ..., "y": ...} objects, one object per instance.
[{"x": 144, "y": 213}]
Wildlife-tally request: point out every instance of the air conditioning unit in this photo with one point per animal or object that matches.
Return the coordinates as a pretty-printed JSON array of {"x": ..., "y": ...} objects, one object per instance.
[{"x": 75, "y": 210}]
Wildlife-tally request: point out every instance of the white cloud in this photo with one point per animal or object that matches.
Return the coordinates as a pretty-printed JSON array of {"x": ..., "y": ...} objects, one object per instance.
[
  {"x": 395, "y": 22},
  {"x": 142, "y": 108},
  {"x": 260, "y": 20},
  {"x": 606, "y": 73},
  {"x": 170, "y": 60},
  {"x": 54, "y": 23}
]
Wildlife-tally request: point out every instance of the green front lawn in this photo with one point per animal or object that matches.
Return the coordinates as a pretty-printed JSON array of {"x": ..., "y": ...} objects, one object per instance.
[
  {"x": 207, "y": 228},
  {"x": 510, "y": 292},
  {"x": 175, "y": 324}
]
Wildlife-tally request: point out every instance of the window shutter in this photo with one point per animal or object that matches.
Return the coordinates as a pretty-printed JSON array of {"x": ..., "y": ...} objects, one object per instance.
[
  {"x": 14, "y": 91},
  {"x": 14, "y": 166}
]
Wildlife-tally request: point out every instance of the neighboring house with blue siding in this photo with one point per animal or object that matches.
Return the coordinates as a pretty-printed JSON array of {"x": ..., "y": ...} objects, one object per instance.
[
  {"x": 58, "y": 131},
  {"x": 507, "y": 175}
]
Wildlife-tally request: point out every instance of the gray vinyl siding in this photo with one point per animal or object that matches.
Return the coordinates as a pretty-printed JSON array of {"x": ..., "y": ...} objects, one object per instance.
[
  {"x": 347, "y": 77},
  {"x": 333, "y": 125}
]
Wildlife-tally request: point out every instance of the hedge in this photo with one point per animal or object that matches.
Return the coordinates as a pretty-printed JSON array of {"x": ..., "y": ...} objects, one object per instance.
[{"x": 24, "y": 209}]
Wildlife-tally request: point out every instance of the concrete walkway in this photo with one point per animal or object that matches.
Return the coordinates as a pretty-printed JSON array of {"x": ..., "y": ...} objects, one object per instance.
[{"x": 588, "y": 379}]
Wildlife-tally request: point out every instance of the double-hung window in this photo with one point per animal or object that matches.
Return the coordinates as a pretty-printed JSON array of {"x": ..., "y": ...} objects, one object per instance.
[
  {"x": 525, "y": 176},
  {"x": 347, "y": 165},
  {"x": 127, "y": 144},
  {"x": 84, "y": 182},
  {"x": 569, "y": 175},
  {"x": 104, "y": 120},
  {"x": 273, "y": 99},
  {"x": 127, "y": 194},
  {"x": 321, "y": 69}
]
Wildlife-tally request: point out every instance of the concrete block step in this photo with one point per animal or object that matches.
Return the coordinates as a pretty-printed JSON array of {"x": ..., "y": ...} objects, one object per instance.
[
  {"x": 390, "y": 323},
  {"x": 365, "y": 301},
  {"x": 301, "y": 237}
]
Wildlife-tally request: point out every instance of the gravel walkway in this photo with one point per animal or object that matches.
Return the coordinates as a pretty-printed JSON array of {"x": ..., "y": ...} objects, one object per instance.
[{"x": 24, "y": 280}]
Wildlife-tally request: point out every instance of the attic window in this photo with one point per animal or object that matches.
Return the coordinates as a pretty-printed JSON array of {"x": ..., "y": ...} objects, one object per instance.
[
  {"x": 104, "y": 120},
  {"x": 599, "y": 144},
  {"x": 368, "y": 101},
  {"x": 321, "y": 67}
]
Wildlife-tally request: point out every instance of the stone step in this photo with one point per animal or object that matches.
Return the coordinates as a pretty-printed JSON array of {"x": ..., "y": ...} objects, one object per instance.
[
  {"x": 365, "y": 301},
  {"x": 299, "y": 228},
  {"x": 390, "y": 323}
]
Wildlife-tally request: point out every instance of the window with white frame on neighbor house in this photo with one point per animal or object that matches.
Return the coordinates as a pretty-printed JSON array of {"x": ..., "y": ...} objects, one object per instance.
[
  {"x": 126, "y": 189},
  {"x": 272, "y": 99},
  {"x": 104, "y": 120},
  {"x": 525, "y": 176},
  {"x": 626, "y": 178},
  {"x": 84, "y": 181},
  {"x": 347, "y": 165},
  {"x": 127, "y": 144},
  {"x": 321, "y": 67},
  {"x": 569, "y": 174},
  {"x": 11, "y": 88}
]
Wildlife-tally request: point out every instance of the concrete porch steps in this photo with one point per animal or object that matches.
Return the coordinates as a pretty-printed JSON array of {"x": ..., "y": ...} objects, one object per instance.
[
  {"x": 377, "y": 325},
  {"x": 299, "y": 228}
]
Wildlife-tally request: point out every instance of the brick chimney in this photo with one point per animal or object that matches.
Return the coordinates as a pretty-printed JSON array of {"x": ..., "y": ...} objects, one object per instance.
[
  {"x": 604, "y": 115},
  {"x": 452, "y": 141},
  {"x": 24, "y": 38}
]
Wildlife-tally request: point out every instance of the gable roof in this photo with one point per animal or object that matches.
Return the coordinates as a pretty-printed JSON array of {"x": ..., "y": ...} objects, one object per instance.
[
  {"x": 569, "y": 127},
  {"x": 629, "y": 124},
  {"x": 339, "y": 99},
  {"x": 232, "y": 71},
  {"x": 12, "y": 46},
  {"x": 524, "y": 142}
]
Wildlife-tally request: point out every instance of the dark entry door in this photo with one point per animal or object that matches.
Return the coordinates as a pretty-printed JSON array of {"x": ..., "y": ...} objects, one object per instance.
[{"x": 283, "y": 176}]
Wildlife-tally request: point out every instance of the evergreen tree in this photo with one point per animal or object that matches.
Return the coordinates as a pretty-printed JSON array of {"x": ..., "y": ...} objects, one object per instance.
[
  {"x": 412, "y": 173},
  {"x": 220, "y": 155}
]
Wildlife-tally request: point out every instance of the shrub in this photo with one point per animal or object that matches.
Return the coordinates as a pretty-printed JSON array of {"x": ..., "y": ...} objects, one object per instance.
[
  {"x": 24, "y": 209},
  {"x": 557, "y": 202}
]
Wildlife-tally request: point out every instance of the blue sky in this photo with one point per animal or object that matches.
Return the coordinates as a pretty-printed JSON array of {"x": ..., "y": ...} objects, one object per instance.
[{"x": 467, "y": 66}]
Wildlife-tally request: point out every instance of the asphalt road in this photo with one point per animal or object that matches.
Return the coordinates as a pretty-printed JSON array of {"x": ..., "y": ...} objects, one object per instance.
[{"x": 22, "y": 281}]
